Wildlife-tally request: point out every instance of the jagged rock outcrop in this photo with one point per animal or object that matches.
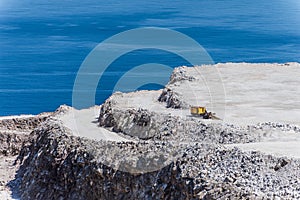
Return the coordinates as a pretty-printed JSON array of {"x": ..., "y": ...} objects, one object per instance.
[
  {"x": 179, "y": 74},
  {"x": 62, "y": 109},
  {"x": 172, "y": 99},
  {"x": 14, "y": 133},
  {"x": 106, "y": 118},
  {"x": 11, "y": 142},
  {"x": 137, "y": 123}
]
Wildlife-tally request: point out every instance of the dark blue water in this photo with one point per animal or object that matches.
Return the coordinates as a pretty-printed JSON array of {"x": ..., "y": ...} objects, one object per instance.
[{"x": 42, "y": 43}]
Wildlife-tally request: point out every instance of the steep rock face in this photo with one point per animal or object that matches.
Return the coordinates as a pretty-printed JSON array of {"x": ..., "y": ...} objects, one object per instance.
[
  {"x": 59, "y": 166},
  {"x": 11, "y": 142},
  {"x": 106, "y": 118},
  {"x": 137, "y": 123},
  {"x": 14, "y": 133}
]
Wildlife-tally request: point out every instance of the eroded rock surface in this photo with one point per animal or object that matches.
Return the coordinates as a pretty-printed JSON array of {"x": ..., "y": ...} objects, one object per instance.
[
  {"x": 60, "y": 166},
  {"x": 172, "y": 99},
  {"x": 22, "y": 124},
  {"x": 14, "y": 135}
]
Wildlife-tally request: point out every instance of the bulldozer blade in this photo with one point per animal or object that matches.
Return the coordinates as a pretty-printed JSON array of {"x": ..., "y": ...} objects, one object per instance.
[{"x": 215, "y": 117}]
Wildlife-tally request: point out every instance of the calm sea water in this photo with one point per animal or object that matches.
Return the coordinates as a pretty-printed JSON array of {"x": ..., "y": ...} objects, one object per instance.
[{"x": 42, "y": 43}]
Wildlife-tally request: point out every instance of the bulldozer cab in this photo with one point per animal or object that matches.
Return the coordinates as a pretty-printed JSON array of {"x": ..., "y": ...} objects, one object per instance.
[{"x": 198, "y": 110}]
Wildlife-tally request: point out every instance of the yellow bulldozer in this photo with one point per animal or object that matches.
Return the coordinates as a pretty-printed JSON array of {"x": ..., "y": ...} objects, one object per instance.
[{"x": 199, "y": 111}]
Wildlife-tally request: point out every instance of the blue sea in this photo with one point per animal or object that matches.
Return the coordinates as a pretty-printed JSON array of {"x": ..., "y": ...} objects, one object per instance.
[{"x": 43, "y": 43}]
